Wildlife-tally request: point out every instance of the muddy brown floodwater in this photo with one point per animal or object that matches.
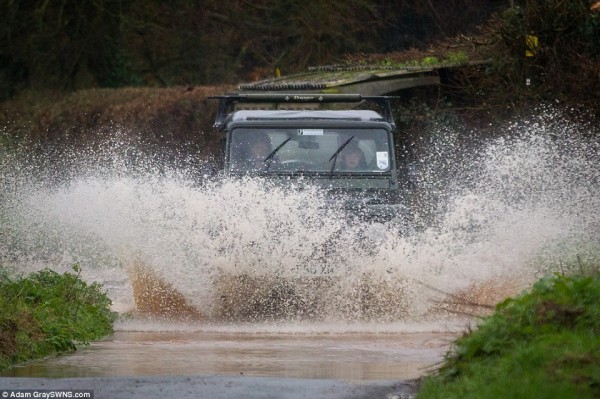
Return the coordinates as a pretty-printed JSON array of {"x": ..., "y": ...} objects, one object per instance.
[{"x": 345, "y": 356}]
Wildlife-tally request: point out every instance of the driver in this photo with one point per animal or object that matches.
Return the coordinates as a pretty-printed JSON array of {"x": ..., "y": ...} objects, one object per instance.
[
  {"x": 255, "y": 150},
  {"x": 259, "y": 148}
]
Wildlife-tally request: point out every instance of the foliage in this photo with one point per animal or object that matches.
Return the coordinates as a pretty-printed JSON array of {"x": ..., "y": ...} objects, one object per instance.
[
  {"x": 563, "y": 67},
  {"x": 456, "y": 57},
  {"x": 581, "y": 257},
  {"x": 417, "y": 116},
  {"x": 49, "y": 313},
  {"x": 428, "y": 61},
  {"x": 563, "y": 64},
  {"x": 150, "y": 117},
  {"x": 108, "y": 43},
  {"x": 545, "y": 341}
]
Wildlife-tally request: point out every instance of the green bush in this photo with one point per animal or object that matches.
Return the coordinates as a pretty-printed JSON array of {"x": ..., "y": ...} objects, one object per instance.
[
  {"x": 49, "y": 313},
  {"x": 456, "y": 57},
  {"x": 565, "y": 62},
  {"x": 543, "y": 344}
]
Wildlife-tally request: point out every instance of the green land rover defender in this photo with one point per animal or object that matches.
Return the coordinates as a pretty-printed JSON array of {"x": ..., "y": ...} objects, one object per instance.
[
  {"x": 292, "y": 140},
  {"x": 347, "y": 152}
]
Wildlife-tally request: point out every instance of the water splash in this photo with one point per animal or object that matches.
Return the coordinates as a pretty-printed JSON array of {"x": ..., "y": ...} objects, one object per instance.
[{"x": 491, "y": 218}]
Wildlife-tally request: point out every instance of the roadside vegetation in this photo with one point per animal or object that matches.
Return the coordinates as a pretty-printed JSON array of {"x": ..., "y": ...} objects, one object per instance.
[
  {"x": 48, "y": 313},
  {"x": 151, "y": 117},
  {"x": 72, "y": 45},
  {"x": 542, "y": 344}
]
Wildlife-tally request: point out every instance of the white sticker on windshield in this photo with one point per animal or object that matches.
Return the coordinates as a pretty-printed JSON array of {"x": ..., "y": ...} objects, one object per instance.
[
  {"x": 310, "y": 132},
  {"x": 383, "y": 159}
]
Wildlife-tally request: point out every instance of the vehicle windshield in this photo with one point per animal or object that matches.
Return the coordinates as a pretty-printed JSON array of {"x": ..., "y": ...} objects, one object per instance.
[{"x": 271, "y": 150}]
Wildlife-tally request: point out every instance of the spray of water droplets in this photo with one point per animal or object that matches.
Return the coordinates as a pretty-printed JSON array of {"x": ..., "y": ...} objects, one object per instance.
[{"x": 489, "y": 219}]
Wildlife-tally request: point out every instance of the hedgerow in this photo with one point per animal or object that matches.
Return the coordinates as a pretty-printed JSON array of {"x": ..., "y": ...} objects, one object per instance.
[
  {"x": 47, "y": 313},
  {"x": 541, "y": 344}
]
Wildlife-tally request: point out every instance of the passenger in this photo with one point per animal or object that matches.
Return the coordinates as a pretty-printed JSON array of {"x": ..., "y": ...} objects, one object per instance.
[{"x": 353, "y": 158}]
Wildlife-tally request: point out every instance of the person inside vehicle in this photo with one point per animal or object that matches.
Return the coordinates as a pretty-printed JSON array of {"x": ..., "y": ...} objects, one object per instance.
[
  {"x": 255, "y": 151},
  {"x": 353, "y": 158}
]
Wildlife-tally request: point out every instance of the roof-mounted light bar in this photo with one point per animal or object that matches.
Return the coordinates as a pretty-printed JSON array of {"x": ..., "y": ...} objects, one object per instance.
[{"x": 226, "y": 101}]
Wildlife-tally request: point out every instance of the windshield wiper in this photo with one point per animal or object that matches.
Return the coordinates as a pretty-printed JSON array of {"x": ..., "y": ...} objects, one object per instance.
[
  {"x": 335, "y": 154},
  {"x": 272, "y": 153}
]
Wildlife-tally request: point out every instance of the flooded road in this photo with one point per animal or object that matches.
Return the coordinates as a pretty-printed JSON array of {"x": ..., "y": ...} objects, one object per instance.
[
  {"x": 352, "y": 356},
  {"x": 489, "y": 221}
]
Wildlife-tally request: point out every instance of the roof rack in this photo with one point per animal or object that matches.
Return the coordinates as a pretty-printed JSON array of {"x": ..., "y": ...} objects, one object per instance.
[{"x": 227, "y": 100}]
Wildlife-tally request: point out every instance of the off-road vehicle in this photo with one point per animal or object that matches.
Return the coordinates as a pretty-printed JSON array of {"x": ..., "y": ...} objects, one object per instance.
[
  {"x": 348, "y": 152},
  {"x": 293, "y": 140}
]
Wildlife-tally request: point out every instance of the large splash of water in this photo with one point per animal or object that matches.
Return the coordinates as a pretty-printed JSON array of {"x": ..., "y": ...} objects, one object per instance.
[{"x": 490, "y": 219}]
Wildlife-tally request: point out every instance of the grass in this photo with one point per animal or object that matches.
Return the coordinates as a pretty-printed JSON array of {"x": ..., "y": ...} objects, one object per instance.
[
  {"x": 542, "y": 344},
  {"x": 48, "y": 313}
]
